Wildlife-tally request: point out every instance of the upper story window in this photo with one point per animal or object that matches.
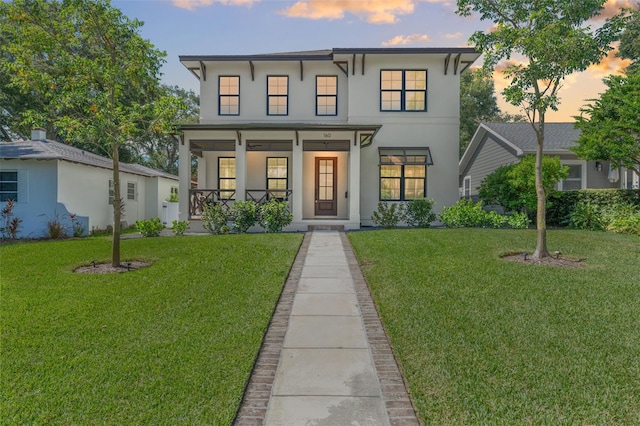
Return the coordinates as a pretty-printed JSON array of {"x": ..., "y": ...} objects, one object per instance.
[
  {"x": 403, "y": 90},
  {"x": 326, "y": 95},
  {"x": 229, "y": 95},
  {"x": 277, "y": 95},
  {"x": 9, "y": 186}
]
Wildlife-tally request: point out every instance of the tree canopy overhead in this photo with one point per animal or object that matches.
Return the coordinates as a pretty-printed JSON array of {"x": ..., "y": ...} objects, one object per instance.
[{"x": 545, "y": 41}]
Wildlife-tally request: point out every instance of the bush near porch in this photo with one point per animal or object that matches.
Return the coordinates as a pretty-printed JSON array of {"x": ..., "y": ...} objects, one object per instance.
[
  {"x": 481, "y": 340},
  {"x": 173, "y": 343}
]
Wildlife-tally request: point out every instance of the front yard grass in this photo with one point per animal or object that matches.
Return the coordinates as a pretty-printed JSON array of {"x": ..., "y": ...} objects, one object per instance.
[
  {"x": 485, "y": 341},
  {"x": 173, "y": 343}
]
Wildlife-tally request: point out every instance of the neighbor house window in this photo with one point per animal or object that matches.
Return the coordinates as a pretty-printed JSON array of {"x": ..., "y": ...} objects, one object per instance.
[
  {"x": 277, "y": 95},
  {"x": 277, "y": 177},
  {"x": 227, "y": 177},
  {"x": 131, "y": 191},
  {"x": 403, "y": 173},
  {"x": 174, "y": 190},
  {"x": 9, "y": 186},
  {"x": 403, "y": 90},
  {"x": 466, "y": 187},
  {"x": 573, "y": 180},
  {"x": 111, "y": 192},
  {"x": 228, "y": 95},
  {"x": 326, "y": 95}
]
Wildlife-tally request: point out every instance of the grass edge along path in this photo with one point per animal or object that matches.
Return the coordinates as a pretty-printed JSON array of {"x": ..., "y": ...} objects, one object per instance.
[
  {"x": 173, "y": 343},
  {"x": 484, "y": 341}
]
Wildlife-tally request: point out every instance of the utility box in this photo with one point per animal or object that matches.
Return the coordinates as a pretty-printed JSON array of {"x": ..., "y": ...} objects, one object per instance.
[{"x": 170, "y": 212}]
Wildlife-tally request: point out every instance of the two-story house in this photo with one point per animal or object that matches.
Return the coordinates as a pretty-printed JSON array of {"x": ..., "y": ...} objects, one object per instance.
[{"x": 333, "y": 132}]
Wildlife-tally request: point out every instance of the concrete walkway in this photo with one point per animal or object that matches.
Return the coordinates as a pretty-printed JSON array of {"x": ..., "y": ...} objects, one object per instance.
[{"x": 334, "y": 365}]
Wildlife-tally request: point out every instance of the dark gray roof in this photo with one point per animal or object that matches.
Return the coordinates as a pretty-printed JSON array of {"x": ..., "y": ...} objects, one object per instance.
[
  {"x": 557, "y": 136},
  {"x": 51, "y": 150}
]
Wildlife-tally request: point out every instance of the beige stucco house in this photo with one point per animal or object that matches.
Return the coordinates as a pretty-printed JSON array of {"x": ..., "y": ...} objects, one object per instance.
[{"x": 333, "y": 132}]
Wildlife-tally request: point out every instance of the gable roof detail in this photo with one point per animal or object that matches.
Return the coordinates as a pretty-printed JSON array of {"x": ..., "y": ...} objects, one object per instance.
[
  {"x": 558, "y": 137},
  {"x": 52, "y": 150}
]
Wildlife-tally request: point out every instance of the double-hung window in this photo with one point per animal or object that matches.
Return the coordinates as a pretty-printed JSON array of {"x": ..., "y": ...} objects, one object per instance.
[
  {"x": 277, "y": 95},
  {"x": 574, "y": 178},
  {"x": 9, "y": 186},
  {"x": 403, "y": 173},
  {"x": 277, "y": 177},
  {"x": 326, "y": 95},
  {"x": 229, "y": 95},
  {"x": 131, "y": 191},
  {"x": 227, "y": 177},
  {"x": 403, "y": 90}
]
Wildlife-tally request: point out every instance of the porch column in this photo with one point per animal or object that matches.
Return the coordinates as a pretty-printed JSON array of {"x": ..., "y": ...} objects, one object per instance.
[
  {"x": 184, "y": 177},
  {"x": 354, "y": 184},
  {"x": 241, "y": 169},
  {"x": 297, "y": 182},
  {"x": 202, "y": 173}
]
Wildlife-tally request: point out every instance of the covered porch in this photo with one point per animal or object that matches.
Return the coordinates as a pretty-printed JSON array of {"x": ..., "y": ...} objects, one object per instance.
[{"x": 314, "y": 168}]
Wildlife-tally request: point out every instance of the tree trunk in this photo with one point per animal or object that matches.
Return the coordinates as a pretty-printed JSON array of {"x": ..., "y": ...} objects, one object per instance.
[
  {"x": 541, "y": 216},
  {"x": 117, "y": 208}
]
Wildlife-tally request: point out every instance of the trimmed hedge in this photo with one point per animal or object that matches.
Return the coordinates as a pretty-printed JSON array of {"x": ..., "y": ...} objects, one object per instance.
[{"x": 562, "y": 204}]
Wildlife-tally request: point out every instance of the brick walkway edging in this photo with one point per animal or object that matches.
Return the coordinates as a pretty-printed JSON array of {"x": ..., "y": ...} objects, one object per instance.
[
  {"x": 253, "y": 408},
  {"x": 394, "y": 391}
]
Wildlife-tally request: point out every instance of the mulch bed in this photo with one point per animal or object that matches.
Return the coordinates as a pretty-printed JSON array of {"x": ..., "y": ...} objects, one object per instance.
[
  {"x": 559, "y": 261},
  {"x": 106, "y": 268}
]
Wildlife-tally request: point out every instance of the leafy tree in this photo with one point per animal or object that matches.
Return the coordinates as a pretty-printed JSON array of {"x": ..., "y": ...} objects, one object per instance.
[
  {"x": 477, "y": 104},
  {"x": 630, "y": 41},
  {"x": 610, "y": 126},
  {"x": 553, "y": 40},
  {"x": 513, "y": 186},
  {"x": 96, "y": 76}
]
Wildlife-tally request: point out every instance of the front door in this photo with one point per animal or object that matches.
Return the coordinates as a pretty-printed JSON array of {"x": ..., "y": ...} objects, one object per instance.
[{"x": 326, "y": 186}]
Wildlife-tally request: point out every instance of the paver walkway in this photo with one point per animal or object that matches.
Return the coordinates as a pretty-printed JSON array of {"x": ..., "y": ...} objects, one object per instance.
[{"x": 326, "y": 359}]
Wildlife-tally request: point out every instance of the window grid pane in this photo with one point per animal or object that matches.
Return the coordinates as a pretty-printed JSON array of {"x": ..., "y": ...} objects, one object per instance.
[
  {"x": 403, "y": 90},
  {"x": 8, "y": 186},
  {"x": 226, "y": 177},
  {"x": 131, "y": 191},
  {"x": 229, "y": 95}
]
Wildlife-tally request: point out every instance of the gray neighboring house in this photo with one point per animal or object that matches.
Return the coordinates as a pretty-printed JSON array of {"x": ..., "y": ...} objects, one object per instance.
[
  {"x": 48, "y": 179},
  {"x": 498, "y": 144}
]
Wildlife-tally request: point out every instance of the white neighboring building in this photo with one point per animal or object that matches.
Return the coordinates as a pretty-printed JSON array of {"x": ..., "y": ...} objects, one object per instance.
[
  {"x": 49, "y": 179},
  {"x": 331, "y": 131}
]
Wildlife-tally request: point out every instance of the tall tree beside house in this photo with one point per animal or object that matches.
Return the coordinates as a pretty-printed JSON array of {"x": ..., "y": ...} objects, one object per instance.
[
  {"x": 89, "y": 62},
  {"x": 553, "y": 40},
  {"x": 630, "y": 40}
]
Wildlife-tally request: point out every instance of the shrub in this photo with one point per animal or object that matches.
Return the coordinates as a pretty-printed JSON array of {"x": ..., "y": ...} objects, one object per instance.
[
  {"x": 214, "y": 218},
  {"x": 244, "y": 214},
  {"x": 624, "y": 219},
  {"x": 274, "y": 215},
  {"x": 55, "y": 228},
  {"x": 562, "y": 204},
  {"x": 150, "y": 228},
  {"x": 11, "y": 225},
  {"x": 464, "y": 214},
  {"x": 388, "y": 214},
  {"x": 77, "y": 229},
  {"x": 419, "y": 212},
  {"x": 587, "y": 216},
  {"x": 179, "y": 226},
  {"x": 493, "y": 219},
  {"x": 173, "y": 198},
  {"x": 518, "y": 221}
]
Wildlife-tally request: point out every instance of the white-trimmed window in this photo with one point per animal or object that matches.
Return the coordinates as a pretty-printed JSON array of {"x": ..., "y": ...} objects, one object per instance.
[
  {"x": 9, "y": 185},
  {"x": 403, "y": 90},
  {"x": 131, "y": 191},
  {"x": 277, "y": 95},
  {"x": 576, "y": 178},
  {"x": 229, "y": 95},
  {"x": 277, "y": 176},
  {"x": 466, "y": 187},
  {"x": 326, "y": 95}
]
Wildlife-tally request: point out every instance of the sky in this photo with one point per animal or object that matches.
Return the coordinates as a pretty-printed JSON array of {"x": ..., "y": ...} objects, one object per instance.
[{"x": 230, "y": 27}]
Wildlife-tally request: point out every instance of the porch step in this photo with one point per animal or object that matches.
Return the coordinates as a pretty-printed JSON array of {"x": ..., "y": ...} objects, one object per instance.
[{"x": 311, "y": 228}]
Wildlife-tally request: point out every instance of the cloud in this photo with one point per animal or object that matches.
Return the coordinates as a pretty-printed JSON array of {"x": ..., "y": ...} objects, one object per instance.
[
  {"x": 453, "y": 36},
  {"x": 612, "y": 8},
  {"x": 610, "y": 64},
  {"x": 193, "y": 4},
  {"x": 401, "y": 40},
  {"x": 373, "y": 11}
]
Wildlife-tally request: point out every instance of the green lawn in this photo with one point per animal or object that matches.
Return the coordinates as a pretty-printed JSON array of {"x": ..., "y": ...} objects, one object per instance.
[
  {"x": 173, "y": 343},
  {"x": 484, "y": 341}
]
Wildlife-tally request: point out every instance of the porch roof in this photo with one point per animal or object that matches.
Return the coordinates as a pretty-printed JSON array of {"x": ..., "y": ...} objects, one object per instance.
[{"x": 281, "y": 126}]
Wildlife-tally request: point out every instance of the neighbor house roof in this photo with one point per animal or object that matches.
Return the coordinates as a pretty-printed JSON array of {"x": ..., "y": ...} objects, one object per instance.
[
  {"x": 52, "y": 150},
  {"x": 521, "y": 138}
]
